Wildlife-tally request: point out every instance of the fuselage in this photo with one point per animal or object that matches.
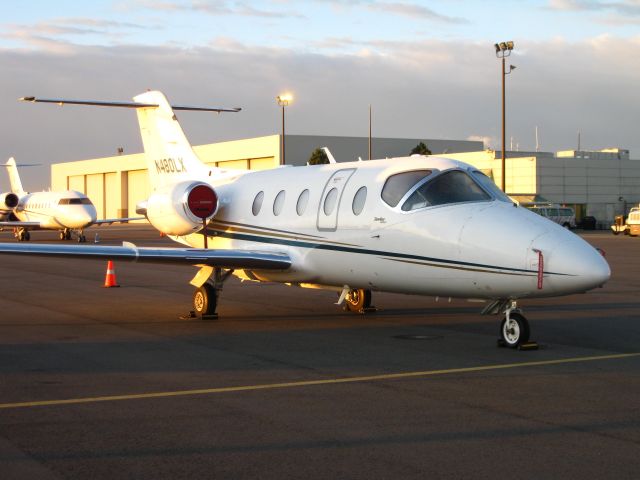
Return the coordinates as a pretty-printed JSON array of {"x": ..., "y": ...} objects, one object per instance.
[
  {"x": 343, "y": 225},
  {"x": 56, "y": 210}
]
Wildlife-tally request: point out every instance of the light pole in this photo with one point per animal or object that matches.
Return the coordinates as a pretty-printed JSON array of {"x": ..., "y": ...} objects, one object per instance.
[
  {"x": 503, "y": 49},
  {"x": 283, "y": 100}
]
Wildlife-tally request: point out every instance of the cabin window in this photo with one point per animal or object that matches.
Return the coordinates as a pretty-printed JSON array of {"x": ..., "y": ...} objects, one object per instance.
[
  {"x": 330, "y": 201},
  {"x": 358, "y": 201},
  {"x": 490, "y": 186},
  {"x": 278, "y": 203},
  {"x": 399, "y": 184},
  {"x": 257, "y": 203},
  {"x": 451, "y": 187},
  {"x": 74, "y": 201},
  {"x": 303, "y": 200}
]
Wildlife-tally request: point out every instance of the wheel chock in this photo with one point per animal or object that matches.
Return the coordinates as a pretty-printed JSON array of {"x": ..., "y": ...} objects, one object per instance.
[
  {"x": 367, "y": 310},
  {"x": 529, "y": 346},
  {"x": 523, "y": 346},
  {"x": 211, "y": 316},
  {"x": 188, "y": 316}
]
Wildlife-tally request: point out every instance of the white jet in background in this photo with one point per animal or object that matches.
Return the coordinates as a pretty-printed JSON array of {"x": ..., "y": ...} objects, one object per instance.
[
  {"x": 414, "y": 225},
  {"x": 69, "y": 212}
]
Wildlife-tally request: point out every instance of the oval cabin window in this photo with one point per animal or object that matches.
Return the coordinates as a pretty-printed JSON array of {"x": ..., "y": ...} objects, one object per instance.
[
  {"x": 330, "y": 201},
  {"x": 257, "y": 203},
  {"x": 303, "y": 200},
  {"x": 358, "y": 201},
  {"x": 278, "y": 203}
]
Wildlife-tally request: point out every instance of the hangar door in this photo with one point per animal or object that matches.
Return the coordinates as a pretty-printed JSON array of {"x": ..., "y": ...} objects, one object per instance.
[
  {"x": 111, "y": 195},
  {"x": 76, "y": 182},
  {"x": 95, "y": 192},
  {"x": 138, "y": 189}
]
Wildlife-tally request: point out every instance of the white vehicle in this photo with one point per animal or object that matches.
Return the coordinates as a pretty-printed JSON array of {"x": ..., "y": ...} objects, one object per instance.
[
  {"x": 413, "y": 225},
  {"x": 564, "y": 216},
  {"x": 69, "y": 211}
]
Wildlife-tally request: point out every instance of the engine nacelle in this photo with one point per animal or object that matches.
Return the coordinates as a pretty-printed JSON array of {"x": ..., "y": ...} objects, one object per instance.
[
  {"x": 8, "y": 200},
  {"x": 179, "y": 209}
]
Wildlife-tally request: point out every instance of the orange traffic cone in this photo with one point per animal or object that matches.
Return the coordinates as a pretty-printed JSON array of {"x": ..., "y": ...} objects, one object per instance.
[{"x": 110, "y": 279}]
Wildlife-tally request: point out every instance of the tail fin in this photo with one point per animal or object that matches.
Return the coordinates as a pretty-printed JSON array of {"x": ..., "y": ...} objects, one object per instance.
[
  {"x": 169, "y": 153},
  {"x": 14, "y": 177}
]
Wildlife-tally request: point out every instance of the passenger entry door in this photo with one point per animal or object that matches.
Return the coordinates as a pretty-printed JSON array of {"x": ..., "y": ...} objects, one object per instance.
[{"x": 330, "y": 201}]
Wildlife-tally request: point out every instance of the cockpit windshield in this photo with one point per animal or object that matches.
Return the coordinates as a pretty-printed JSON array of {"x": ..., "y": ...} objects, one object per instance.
[
  {"x": 490, "y": 186},
  {"x": 75, "y": 201},
  {"x": 399, "y": 184},
  {"x": 450, "y": 187}
]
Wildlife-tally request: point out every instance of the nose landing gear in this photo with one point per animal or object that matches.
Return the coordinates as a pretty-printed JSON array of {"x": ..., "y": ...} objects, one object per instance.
[{"x": 514, "y": 328}]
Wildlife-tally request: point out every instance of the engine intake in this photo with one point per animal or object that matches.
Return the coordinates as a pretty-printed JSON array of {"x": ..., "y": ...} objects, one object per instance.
[
  {"x": 181, "y": 208},
  {"x": 9, "y": 200}
]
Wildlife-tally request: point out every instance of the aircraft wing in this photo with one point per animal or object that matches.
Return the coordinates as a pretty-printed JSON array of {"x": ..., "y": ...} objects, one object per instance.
[
  {"x": 17, "y": 223},
  {"x": 109, "y": 221},
  {"x": 237, "y": 259}
]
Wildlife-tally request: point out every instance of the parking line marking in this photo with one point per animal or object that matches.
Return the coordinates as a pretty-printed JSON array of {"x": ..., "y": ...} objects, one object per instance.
[{"x": 307, "y": 383}]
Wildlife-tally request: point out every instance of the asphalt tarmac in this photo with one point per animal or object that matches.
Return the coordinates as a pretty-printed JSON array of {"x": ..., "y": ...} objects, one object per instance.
[{"x": 109, "y": 383}]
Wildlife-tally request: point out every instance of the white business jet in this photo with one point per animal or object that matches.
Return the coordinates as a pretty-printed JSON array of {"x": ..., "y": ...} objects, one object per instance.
[
  {"x": 68, "y": 211},
  {"x": 414, "y": 225}
]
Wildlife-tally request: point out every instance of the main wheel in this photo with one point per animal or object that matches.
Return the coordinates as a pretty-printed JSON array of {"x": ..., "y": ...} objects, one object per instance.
[
  {"x": 358, "y": 299},
  {"x": 67, "y": 235},
  {"x": 205, "y": 300},
  {"x": 516, "y": 331},
  {"x": 27, "y": 236}
]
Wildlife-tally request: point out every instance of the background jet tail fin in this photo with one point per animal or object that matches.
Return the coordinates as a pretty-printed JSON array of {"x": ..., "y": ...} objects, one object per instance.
[
  {"x": 14, "y": 177},
  {"x": 168, "y": 152}
]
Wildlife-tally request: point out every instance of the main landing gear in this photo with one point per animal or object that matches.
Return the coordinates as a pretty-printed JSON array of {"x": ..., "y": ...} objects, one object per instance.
[
  {"x": 21, "y": 235},
  {"x": 356, "y": 300},
  {"x": 205, "y": 297}
]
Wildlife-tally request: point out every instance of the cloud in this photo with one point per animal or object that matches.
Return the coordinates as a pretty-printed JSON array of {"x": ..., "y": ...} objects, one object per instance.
[
  {"x": 51, "y": 35},
  {"x": 424, "y": 89},
  {"x": 414, "y": 11},
  {"x": 214, "y": 7},
  {"x": 617, "y": 9}
]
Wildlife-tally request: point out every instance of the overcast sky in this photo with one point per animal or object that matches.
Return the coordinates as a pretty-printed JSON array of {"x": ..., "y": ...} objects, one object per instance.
[{"x": 428, "y": 68}]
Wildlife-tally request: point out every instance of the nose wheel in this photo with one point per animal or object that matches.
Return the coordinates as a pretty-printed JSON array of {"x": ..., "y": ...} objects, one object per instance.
[{"x": 514, "y": 330}]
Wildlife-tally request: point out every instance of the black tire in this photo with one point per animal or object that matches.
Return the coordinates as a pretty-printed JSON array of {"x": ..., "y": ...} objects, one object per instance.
[
  {"x": 67, "y": 235},
  {"x": 615, "y": 232},
  {"x": 567, "y": 225},
  {"x": 27, "y": 236},
  {"x": 517, "y": 335},
  {"x": 205, "y": 300},
  {"x": 358, "y": 299}
]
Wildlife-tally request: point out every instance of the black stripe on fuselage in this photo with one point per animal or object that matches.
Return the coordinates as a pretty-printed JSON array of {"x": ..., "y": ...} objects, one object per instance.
[{"x": 365, "y": 251}]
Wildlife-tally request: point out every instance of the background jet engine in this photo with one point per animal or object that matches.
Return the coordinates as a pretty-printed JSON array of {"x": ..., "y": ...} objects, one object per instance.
[
  {"x": 179, "y": 209},
  {"x": 8, "y": 201}
]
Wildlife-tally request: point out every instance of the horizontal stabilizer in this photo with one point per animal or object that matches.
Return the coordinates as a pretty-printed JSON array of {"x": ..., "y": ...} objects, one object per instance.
[
  {"x": 95, "y": 103},
  {"x": 237, "y": 259}
]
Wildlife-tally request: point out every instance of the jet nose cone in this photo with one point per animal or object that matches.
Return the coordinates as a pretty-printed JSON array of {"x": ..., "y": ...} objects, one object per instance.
[{"x": 576, "y": 266}]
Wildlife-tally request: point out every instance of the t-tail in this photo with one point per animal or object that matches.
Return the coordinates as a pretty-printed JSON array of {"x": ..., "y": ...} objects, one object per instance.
[
  {"x": 14, "y": 177},
  {"x": 170, "y": 157}
]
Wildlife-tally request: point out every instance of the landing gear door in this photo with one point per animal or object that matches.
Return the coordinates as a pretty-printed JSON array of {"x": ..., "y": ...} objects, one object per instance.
[{"x": 330, "y": 201}]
